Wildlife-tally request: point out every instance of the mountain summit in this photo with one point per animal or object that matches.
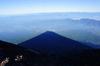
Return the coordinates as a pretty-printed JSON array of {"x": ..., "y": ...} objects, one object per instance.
[{"x": 53, "y": 43}]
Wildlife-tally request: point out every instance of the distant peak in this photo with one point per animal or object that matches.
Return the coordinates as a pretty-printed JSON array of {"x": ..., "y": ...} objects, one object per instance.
[
  {"x": 87, "y": 19},
  {"x": 49, "y": 32}
]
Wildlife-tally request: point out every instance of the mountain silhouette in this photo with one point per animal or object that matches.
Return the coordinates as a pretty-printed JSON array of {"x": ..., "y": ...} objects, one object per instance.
[
  {"x": 54, "y": 43},
  {"x": 63, "y": 51}
]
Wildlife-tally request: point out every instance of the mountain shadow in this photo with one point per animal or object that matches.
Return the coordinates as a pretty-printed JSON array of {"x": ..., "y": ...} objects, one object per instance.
[
  {"x": 53, "y": 50},
  {"x": 54, "y": 43},
  {"x": 63, "y": 51}
]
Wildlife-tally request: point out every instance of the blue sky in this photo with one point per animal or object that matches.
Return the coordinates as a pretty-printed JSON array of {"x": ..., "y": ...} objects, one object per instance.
[{"x": 15, "y": 7}]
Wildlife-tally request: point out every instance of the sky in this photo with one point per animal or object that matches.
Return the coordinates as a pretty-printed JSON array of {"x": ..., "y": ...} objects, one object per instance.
[{"x": 17, "y": 7}]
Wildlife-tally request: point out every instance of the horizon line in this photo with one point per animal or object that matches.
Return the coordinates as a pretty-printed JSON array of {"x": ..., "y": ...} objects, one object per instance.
[{"x": 1, "y": 15}]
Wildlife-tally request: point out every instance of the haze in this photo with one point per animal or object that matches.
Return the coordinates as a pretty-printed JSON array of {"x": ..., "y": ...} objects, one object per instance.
[{"x": 18, "y": 7}]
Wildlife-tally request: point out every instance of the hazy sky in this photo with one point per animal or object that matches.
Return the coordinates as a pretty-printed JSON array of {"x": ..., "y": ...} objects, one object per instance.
[{"x": 15, "y": 7}]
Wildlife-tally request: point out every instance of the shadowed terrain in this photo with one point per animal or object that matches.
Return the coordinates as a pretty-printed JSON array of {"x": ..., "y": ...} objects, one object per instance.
[
  {"x": 63, "y": 51},
  {"x": 50, "y": 49}
]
